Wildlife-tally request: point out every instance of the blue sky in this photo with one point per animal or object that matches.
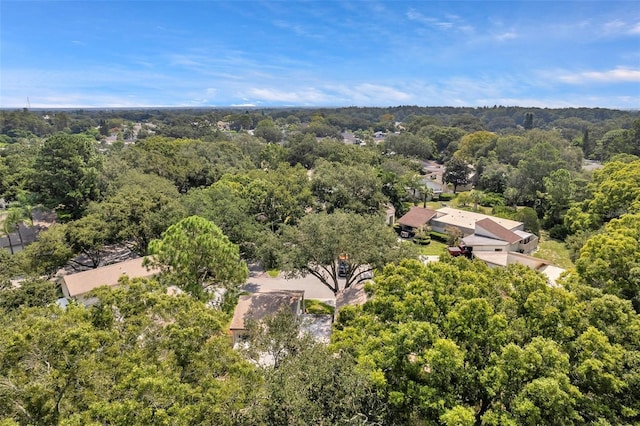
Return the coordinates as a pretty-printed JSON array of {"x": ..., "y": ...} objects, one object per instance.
[{"x": 319, "y": 53}]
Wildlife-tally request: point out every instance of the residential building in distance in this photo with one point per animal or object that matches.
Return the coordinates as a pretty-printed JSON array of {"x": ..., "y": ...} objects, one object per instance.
[{"x": 480, "y": 232}]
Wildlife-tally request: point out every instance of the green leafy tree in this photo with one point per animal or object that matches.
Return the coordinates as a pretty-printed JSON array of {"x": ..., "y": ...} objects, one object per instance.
[
  {"x": 560, "y": 191},
  {"x": 455, "y": 341},
  {"x": 139, "y": 356},
  {"x": 611, "y": 260},
  {"x": 613, "y": 192},
  {"x": 360, "y": 193},
  {"x": 476, "y": 144},
  {"x": 88, "y": 236},
  {"x": 195, "y": 254},
  {"x": 140, "y": 209},
  {"x": 308, "y": 383},
  {"x": 319, "y": 240},
  {"x": 67, "y": 174},
  {"x": 410, "y": 145},
  {"x": 31, "y": 292},
  {"x": 267, "y": 130},
  {"x": 542, "y": 159},
  {"x": 50, "y": 252},
  {"x": 457, "y": 173}
]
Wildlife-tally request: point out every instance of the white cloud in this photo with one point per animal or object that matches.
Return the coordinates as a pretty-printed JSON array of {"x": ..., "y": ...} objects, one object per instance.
[
  {"x": 301, "y": 97},
  {"x": 451, "y": 22},
  {"x": 297, "y": 29},
  {"x": 617, "y": 75},
  {"x": 620, "y": 27},
  {"x": 509, "y": 35}
]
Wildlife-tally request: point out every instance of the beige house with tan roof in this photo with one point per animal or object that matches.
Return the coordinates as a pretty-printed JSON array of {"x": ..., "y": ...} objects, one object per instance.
[
  {"x": 466, "y": 221},
  {"x": 79, "y": 284}
]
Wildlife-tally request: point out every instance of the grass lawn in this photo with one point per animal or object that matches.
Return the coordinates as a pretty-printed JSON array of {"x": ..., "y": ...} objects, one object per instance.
[
  {"x": 434, "y": 248},
  {"x": 316, "y": 307},
  {"x": 554, "y": 251}
]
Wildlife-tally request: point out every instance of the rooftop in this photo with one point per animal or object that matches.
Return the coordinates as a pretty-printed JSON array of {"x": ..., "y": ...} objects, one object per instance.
[
  {"x": 416, "y": 217},
  {"x": 83, "y": 282},
  {"x": 260, "y": 305},
  {"x": 494, "y": 229},
  {"x": 504, "y": 258},
  {"x": 466, "y": 219}
]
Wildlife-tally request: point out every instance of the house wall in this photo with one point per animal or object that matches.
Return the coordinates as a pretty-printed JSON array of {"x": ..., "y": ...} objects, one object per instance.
[
  {"x": 440, "y": 227},
  {"x": 500, "y": 247},
  {"x": 522, "y": 260},
  {"x": 529, "y": 247},
  {"x": 65, "y": 290}
]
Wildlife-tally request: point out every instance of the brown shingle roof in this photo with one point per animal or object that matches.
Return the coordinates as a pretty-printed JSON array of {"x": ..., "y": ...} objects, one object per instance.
[
  {"x": 497, "y": 230},
  {"x": 259, "y": 305},
  {"x": 416, "y": 217}
]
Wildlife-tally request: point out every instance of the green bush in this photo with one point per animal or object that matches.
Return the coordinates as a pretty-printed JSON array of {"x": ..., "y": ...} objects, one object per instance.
[
  {"x": 491, "y": 199},
  {"x": 448, "y": 196},
  {"x": 439, "y": 236},
  {"x": 422, "y": 240}
]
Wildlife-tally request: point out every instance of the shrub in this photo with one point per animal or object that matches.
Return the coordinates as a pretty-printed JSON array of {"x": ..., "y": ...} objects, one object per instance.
[
  {"x": 439, "y": 236},
  {"x": 559, "y": 232},
  {"x": 448, "y": 196},
  {"x": 422, "y": 240},
  {"x": 491, "y": 199}
]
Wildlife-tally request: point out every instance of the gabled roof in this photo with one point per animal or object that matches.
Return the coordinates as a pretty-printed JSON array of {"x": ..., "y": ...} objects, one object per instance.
[
  {"x": 467, "y": 219},
  {"x": 83, "y": 282},
  {"x": 416, "y": 217},
  {"x": 552, "y": 272},
  {"x": 489, "y": 228},
  {"x": 260, "y": 305}
]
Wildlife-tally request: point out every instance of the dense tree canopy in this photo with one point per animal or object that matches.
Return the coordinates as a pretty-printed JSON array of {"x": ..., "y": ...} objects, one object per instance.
[
  {"x": 454, "y": 339},
  {"x": 66, "y": 173},
  {"x": 203, "y": 191}
]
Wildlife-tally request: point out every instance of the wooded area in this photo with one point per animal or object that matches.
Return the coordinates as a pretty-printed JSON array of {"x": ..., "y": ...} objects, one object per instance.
[{"x": 205, "y": 192}]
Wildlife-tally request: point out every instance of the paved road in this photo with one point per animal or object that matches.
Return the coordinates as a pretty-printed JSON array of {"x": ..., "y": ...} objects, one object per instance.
[{"x": 313, "y": 288}]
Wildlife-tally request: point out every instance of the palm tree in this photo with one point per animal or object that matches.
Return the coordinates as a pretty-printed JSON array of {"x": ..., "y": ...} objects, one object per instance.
[{"x": 20, "y": 212}]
